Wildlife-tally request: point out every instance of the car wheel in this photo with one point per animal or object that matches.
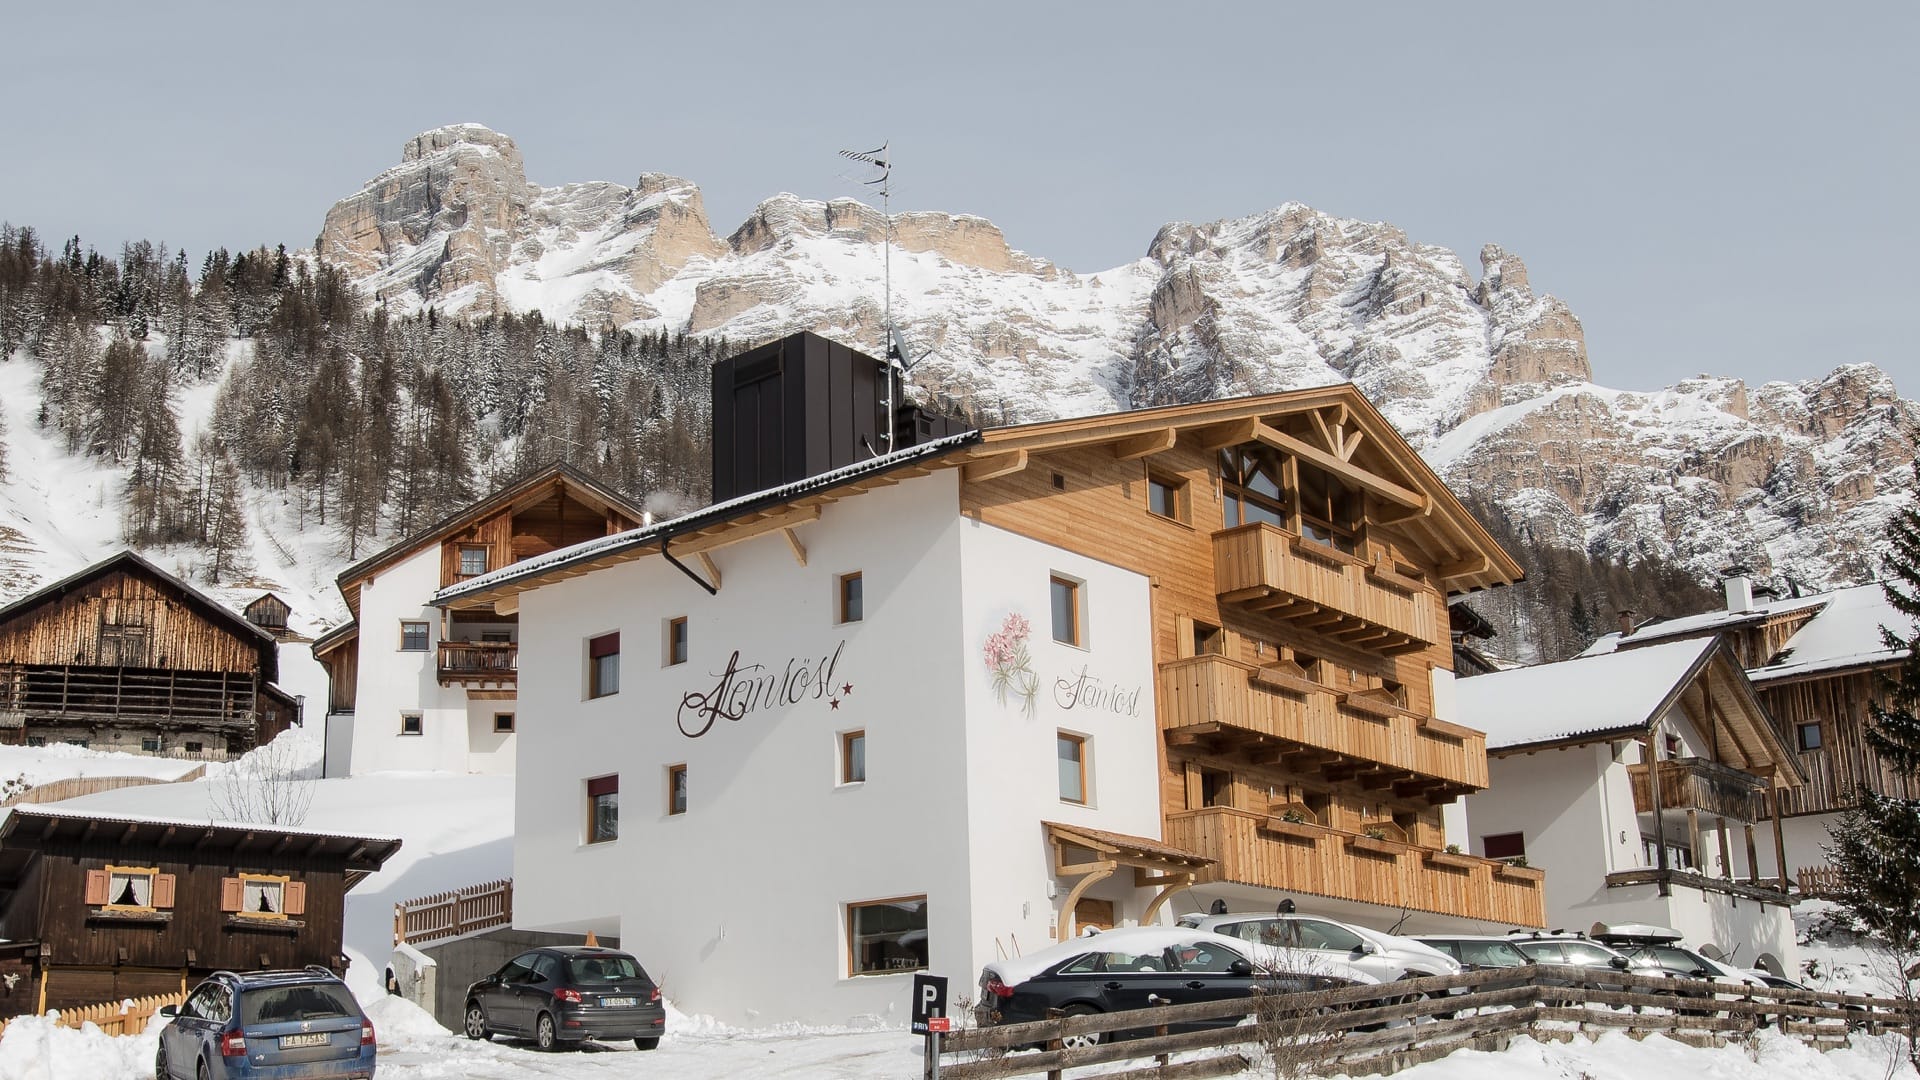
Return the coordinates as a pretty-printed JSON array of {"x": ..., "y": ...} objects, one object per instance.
[
  {"x": 160, "y": 1070},
  {"x": 200, "y": 1070},
  {"x": 1080, "y": 1042},
  {"x": 476, "y": 1025},
  {"x": 544, "y": 1035},
  {"x": 647, "y": 1042}
]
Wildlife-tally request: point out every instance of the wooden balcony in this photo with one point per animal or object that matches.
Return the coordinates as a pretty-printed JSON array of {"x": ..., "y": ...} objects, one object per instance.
[
  {"x": 479, "y": 663},
  {"x": 1262, "y": 568},
  {"x": 1236, "y": 708},
  {"x": 1699, "y": 784},
  {"x": 1252, "y": 849},
  {"x": 158, "y": 698}
]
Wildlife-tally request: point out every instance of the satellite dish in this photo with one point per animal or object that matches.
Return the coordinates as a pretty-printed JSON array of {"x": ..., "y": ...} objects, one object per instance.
[{"x": 902, "y": 353}]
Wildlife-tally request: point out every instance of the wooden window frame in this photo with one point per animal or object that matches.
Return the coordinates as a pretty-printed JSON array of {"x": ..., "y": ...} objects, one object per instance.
[
  {"x": 460, "y": 559},
  {"x": 1076, "y": 605},
  {"x": 678, "y": 771},
  {"x": 426, "y": 635},
  {"x": 419, "y": 724},
  {"x": 159, "y": 744},
  {"x": 281, "y": 880},
  {"x": 840, "y": 605},
  {"x": 676, "y": 643},
  {"x": 609, "y": 785},
  {"x": 498, "y": 729},
  {"x": 853, "y": 937},
  {"x": 597, "y": 650},
  {"x": 1178, "y": 496},
  {"x": 1079, "y": 743},
  {"x": 1800, "y": 736},
  {"x": 847, "y": 739},
  {"x": 1236, "y": 491},
  {"x": 151, "y": 873}
]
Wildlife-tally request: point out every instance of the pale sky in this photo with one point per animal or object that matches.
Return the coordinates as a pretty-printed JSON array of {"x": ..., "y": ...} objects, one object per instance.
[{"x": 1722, "y": 188}]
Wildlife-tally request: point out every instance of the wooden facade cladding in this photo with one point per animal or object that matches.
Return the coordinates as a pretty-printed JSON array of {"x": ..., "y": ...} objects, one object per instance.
[
  {"x": 124, "y": 619},
  {"x": 1276, "y": 572},
  {"x": 1222, "y": 702},
  {"x": 1702, "y": 785},
  {"x": 1843, "y": 761},
  {"x": 525, "y": 529},
  {"x": 1328, "y": 862}
]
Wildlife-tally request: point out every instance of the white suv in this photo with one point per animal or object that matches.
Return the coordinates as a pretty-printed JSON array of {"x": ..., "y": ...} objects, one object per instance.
[{"x": 1384, "y": 956}]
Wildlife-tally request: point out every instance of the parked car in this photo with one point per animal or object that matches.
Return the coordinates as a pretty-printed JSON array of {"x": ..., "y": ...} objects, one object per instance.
[
  {"x": 1572, "y": 950},
  {"x": 1659, "y": 948},
  {"x": 1483, "y": 952},
  {"x": 1142, "y": 967},
  {"x": 286, "y": 1025},
  {"x": 568, "y": 994},
  {"x": 1384, "y": 956}
]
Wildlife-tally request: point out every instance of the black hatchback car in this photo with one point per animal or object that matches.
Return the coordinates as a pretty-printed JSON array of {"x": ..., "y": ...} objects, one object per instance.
[{"x": 568, "y": 994}]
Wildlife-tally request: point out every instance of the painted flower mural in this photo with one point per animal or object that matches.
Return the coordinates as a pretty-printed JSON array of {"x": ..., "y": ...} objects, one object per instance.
[{"x": 1011, "y": 665}]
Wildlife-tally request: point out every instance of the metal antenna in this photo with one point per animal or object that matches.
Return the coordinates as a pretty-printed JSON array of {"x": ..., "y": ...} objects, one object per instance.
[{"x": 880, "y": 159}]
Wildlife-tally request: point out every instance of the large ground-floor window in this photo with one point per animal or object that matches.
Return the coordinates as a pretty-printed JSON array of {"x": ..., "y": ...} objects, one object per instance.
[{"x": 887, "y": 936}]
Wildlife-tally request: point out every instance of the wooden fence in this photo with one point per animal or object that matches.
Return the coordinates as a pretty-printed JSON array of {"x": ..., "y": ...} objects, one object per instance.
[
  {"x": 76, "y": 786},
  {"x": 450, "y": 914},
  {"x": 1365, "y": 1030},
  {"x": 1819, "y": 882},
  {"x": 125, "y": 1017}
]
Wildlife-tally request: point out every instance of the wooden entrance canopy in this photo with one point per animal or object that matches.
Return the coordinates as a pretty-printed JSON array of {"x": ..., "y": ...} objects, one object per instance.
[{"x": 1153, "y": 863}]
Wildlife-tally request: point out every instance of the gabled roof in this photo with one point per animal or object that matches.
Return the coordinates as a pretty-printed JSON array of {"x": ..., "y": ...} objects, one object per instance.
[
  {"x": 130, "y": 561},
  {"x": 577, "y": 484},
  {"x": 1622, "y": 695}
]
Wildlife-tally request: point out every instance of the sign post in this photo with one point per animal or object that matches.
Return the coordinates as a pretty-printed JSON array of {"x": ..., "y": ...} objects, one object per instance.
[{"x": 930, "y": 1017}]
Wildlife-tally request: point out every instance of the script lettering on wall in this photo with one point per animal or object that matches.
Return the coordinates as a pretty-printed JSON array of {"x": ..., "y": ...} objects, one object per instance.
[
  {"x": 1083, "y": 691},
  {"x": 748, "y": 688}
]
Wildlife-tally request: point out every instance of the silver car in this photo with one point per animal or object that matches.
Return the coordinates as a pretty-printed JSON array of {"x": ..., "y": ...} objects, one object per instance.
[{"x": 1384, "y": 956}]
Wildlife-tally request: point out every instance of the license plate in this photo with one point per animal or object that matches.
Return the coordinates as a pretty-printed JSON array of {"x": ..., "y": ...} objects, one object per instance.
[
  {"x": 619, "y": 1002},
  {"x": 290, "y": 1042}
]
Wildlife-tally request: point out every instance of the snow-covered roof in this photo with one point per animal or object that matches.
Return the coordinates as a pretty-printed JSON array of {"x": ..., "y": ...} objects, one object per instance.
[
  {"x": 1591, "y": 696},
  {"x": 200, "y": 823},
  {"x": 1844, "y": 632}
]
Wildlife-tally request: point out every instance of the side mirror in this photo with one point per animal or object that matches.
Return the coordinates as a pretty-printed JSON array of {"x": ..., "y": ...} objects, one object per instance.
[
  {"x": 169, "y": 1010},
  {"x": 1240, "y": 968},
  {"x": 1368, "y": 948},
  {"x": 1702, "y": 973},
  {"x": 1619, "y": 963}
]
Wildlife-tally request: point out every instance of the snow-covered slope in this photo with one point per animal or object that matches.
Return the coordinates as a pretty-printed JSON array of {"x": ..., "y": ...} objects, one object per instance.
[{"x": 1488, "y": 377}]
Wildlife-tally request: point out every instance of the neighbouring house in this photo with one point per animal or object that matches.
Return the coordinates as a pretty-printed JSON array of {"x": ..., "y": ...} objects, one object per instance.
[
  {"x": 270, "y": 613},
  {"x": 413, "y": 686},
  {"x": 1570, "y": 745},
  {"x": 125, "y": 656},
  {"x": 912, "y": 697},
  {"x": 97, "y": 907},
  {"x": 1815, "y": 662}
]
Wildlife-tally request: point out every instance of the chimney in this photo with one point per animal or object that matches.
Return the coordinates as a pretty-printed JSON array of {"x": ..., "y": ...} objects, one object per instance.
[
  {"x": 1738, "y": 581},
  {"x": 1626, "y": 622}
]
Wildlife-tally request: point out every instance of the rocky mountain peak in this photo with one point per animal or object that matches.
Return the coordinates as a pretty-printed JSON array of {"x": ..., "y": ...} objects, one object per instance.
[{"x": 446, "y": 138}]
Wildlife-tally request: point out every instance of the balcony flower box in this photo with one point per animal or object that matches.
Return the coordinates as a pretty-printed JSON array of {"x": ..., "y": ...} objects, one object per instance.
[
  {"x": 1524, "y": 873},
  {"x": 1450, "y": 859},
  {"x": 1305, "y": 830},
  {"x": 1375, "y": 846}
]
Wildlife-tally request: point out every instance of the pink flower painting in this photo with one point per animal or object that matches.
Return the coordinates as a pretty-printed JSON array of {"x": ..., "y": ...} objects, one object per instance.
[{"x": 1011, "y": 665}]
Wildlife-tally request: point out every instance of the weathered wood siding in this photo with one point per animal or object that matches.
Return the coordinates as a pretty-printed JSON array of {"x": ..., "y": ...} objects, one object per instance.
[
  {"x": 1843, "y": 762},
  {"x": 512, "y": 535},
  {"x": 123, "y": 620}
]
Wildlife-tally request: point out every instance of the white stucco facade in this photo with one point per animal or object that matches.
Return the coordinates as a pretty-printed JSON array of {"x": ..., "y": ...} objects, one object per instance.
[
  {"x": 739, "y": 905},
  {"x": 456, "y": 732}
]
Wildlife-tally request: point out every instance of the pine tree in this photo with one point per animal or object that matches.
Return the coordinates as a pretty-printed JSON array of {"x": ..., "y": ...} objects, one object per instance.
[{"x": 226, "y": 531}]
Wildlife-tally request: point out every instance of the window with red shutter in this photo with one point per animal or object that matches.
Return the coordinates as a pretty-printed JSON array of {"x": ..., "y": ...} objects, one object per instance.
[
  {"x": 230, "y": 894},
  {"x": 96, "y": 887},
  {"x": 296, "y": 898}
]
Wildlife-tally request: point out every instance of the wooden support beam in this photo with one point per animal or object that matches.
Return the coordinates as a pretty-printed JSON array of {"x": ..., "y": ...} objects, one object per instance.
[
  {"x": 1232, "y": 433},
  {"x": 1475, "y": 564},
  {"x": 507, "y": 605},
  {"x": 1347, "y": 471},
  {"x": 713, "y": 572},
  {"x": 994, "y": 466},
  {"x": 719, "y": 538},
  {"x": 793, "y": 541},
  {"x": 1153, "y": 442}
]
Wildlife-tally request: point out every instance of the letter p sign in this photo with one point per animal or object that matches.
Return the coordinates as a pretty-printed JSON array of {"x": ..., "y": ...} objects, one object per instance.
[{"x": 929, "y": 1000}]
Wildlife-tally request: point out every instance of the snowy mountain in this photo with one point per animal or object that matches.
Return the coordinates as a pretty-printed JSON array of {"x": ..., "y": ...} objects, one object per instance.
[{"x": 1489, "y": 378}]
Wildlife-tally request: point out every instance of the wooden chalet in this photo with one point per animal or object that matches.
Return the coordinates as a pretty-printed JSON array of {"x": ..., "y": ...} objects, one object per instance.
[
  {"x": 125, "y": 656},
  {"x": 270, "y": 613},
  {"x": 99, "y": 908}
]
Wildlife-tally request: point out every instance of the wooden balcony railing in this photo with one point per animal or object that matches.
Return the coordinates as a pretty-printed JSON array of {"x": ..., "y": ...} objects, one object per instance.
[
  {"x": 450, "y": 914},
  {"x": 1249, "y": 849},
  {"x": 150, "y": 697},
  {"x": 1266, "y": 569},
  {"x": 479, "y": 662},
  {"x": 1699, "y": 784},
  {"x": 1228, "y": 702}
]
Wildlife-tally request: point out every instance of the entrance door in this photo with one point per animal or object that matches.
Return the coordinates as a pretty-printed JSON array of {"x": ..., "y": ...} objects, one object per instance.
[{"x": 1088, "y": 912}]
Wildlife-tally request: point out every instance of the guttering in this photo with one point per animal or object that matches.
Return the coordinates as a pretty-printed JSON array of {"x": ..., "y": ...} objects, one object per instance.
[{"x": 665, "y": 539}]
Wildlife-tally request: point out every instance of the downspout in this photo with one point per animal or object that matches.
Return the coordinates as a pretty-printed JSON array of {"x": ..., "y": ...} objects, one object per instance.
[{"x": 684, "y": 568}]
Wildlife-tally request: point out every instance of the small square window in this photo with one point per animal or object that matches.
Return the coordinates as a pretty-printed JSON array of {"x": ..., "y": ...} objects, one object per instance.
[
  {"x": 36, "y": 740},
  {"x": 1073, "y": 767},
  {"x": 1216, "y": 787},
  {"x": 603, "y": 665},
  {"x": 502, "y": 723},
  {"x": 1671, "y": 744},
  {"x": 887, "y": 936},
  {"x": 1066, "y": 610},
  {"x": 130, "y": 886},
  {"x": 195, "y": 748},
  {"x": 603, "y": 809},
  {"x": 414, "y": 636},
  {"x": 852, "y": 598},
  {"x": 853, "y": 757},
  {"x": 263, "y": 897},
  {"x": 473, "y": 560},
  {"x": 676, "y": 789},
  {"x": 412, "y": 723},
  {"x": 1167, "y": 496},
  {"x": 1808, "y": 735},
  {"x": 676, "y": 640},
  {"x": 150, "y": 744}
]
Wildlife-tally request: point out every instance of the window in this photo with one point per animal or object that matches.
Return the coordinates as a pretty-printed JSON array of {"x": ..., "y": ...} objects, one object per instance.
[
  {"x": 676, "y": 789},
  {"x": 1329, "y": 511},
  {"x": 502, "y": 723},
  {"x": 851, "y": 605},
  {"x": 603, "y": 809},
  {"x": 1167, "y": 496},
  {"x": 36, "y": 740},
  {"x": 676, "y": 643},
  {"x": 853, "y": 757},
  {"x": 887, "y": 936},
  {"x": 473, "y": 560},
  {"x": 414, "y": 637},
  {"x": 1671, "y": 744},
  {"x": 129, "y": 888},
  {"x": 412, "y": 723},
  {"x": 1066, "y": 610},
  {"x": 1253, "y": 486},
  {"x": 1216, "y": 788},
  {"x": 1808, "y": 735},
  {"x": 1511, "y": 845},
  {"x": 195, "y": 748},
  {"x": 150, "y": 744},
  {"x": 263, "y": 896},
  {"x": 603, "y": 665},
  {"x": 1208, "y": 640},
  {"x": 1073, "y": 767}
]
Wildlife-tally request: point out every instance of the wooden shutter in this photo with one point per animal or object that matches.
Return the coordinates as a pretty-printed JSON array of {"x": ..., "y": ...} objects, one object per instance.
[
  {"x": 97, "y": 885},
  {"x": 295, "y": 898},
  {"x": 604, "y": 645},
  {"x": 231, "y": 894},
  {"x": 163, "y": 890}
]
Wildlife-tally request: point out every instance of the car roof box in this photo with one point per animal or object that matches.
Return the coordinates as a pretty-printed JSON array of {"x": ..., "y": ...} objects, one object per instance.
[{"x": 1638, "y": 933}]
